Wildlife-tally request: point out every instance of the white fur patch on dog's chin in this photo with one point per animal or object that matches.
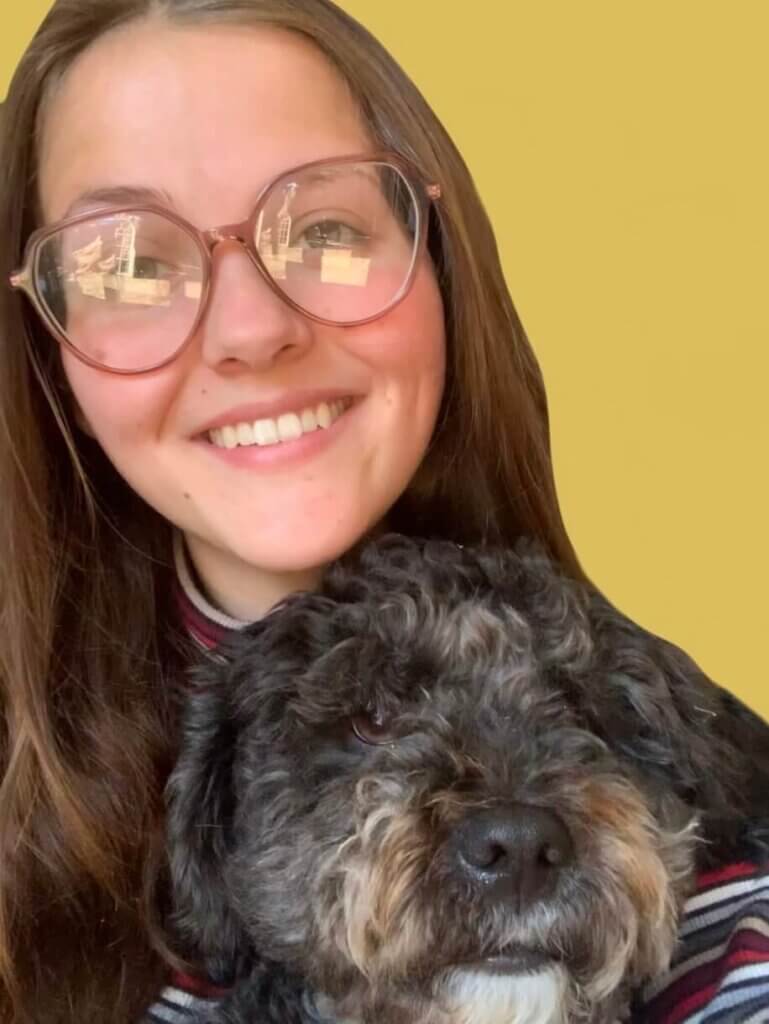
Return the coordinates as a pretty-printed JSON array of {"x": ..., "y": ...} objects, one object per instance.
[{"x": 476, "y": 997}]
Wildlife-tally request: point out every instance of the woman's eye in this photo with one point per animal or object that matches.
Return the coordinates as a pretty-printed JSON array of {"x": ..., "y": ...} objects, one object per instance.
[
  {"x": 151, "y": 267},
  {"x": 331, "y": 233},
  {"x": 372, "y": 728}
]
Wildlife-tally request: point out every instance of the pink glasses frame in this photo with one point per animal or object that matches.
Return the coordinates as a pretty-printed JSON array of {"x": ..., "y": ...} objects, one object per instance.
[{"x": 24, "y": 279}]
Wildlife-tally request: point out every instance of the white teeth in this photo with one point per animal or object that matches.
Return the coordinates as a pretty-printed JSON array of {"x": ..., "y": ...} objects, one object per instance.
[
  {"x": 266, "y": 432},
  {"x": 324, "y": 416},
  {"x": 229, "y": 437},
  {"x": 287, "y": 427},
  {"x": 245, "y": 433}
]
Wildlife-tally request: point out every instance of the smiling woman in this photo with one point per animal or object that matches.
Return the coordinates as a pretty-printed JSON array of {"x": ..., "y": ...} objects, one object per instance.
[
  {"x": 154, "y": 407},
  {"x": 255, "y": 314}
]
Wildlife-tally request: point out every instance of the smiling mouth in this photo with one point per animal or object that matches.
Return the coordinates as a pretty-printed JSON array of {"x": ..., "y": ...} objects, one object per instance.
[{"x": 290, "y": 426}]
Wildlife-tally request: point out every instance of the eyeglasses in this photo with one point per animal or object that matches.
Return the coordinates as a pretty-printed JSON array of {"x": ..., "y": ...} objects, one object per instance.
[{"x": 125, "y": 288}]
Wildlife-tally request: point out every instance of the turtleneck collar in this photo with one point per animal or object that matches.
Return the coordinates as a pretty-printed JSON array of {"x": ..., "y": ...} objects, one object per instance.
[{"x": 207, "y": 623}]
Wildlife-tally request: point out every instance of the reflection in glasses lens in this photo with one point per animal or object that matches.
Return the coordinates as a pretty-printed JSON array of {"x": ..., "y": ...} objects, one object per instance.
[
  {"x": 125, "y": 288},
  {"x": 338, "y": 241}
]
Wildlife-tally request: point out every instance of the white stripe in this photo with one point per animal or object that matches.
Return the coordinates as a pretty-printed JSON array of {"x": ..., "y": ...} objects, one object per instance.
[
  {"x": 755, "y": 924},
  {"x": 203, "y": 605},
  {"x": 704, "y": 956},
  {"x": 749, "y": 972},
  {"x": 724, "y": 892},
  {"x": 725, "y": 1000},
  {"x": 735, "y": 909},
  {"x": 183, "y": 1005},
  {"x": 178, "y": 996},
  {"x": 174, "y": 1015}
]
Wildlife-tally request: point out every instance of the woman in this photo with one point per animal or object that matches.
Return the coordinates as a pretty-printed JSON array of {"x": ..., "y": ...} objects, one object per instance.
[{"x": 259, "y": 396}]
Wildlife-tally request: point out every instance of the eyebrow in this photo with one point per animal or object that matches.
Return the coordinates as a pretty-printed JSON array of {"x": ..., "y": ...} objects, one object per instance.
[{"x": 119, "y": 195}]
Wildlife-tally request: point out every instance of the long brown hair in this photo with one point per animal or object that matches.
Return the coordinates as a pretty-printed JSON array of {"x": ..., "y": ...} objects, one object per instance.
[{"x": 89, "y": 649}]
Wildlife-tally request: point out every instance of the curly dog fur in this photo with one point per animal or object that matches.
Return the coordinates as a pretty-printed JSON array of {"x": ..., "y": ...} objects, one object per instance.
[{"x": 451, "y": 787}]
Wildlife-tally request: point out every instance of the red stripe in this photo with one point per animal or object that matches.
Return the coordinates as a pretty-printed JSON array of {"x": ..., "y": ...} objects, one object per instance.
[
  {"x": 208, "y": 633},
  {"x": 749, "y": 947},
  {"x": 196, "y": 986},
  {"x": 687, "y": 1006},
  {"x": 749, "y": 956},
  {"x": 706, "y": 981},
  {"x": 729, "y": 873},
  {"x": 694, "y": 1002},
  {"x": 692, "y": 990}
]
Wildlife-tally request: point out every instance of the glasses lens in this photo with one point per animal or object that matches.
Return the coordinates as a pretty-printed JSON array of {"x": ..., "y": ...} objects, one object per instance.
[
  {"x": 124, "y": 288},
  {"x": 340, "y": 240}
]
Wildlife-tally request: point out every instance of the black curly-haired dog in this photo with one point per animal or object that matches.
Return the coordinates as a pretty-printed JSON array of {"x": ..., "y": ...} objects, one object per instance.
[{"x": 451, "y": 787}]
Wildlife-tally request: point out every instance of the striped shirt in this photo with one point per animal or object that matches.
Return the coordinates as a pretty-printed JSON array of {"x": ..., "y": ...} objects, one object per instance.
[{"x": 719, "y": 974}]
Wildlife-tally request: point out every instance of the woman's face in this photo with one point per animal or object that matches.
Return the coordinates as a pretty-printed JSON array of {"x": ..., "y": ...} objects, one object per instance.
[{"x": 205, "y": 116}]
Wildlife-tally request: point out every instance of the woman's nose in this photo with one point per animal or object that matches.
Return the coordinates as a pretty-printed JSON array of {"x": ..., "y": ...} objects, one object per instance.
[{"x": 245, "y": 322}]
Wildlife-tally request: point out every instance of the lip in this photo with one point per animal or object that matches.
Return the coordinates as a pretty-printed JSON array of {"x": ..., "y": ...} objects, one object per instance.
[{"x": 292, "y": 401}]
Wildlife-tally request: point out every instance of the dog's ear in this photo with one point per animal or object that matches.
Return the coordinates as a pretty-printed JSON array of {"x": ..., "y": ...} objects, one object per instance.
[
  {"x": 734, "y": 738},
  {"x": 658, "y": 709},
  {"x": 201, "y": 803}
]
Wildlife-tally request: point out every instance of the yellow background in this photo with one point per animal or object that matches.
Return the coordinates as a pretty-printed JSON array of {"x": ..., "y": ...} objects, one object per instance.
[{"x": 622, "y": 152}]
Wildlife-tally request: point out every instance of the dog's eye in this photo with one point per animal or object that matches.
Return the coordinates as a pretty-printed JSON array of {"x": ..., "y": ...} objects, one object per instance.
[{"x": 372, "y": 727}]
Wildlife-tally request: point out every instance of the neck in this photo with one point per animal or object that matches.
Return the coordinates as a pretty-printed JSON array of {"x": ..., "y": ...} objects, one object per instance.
[{"x": 237, "y": 592}]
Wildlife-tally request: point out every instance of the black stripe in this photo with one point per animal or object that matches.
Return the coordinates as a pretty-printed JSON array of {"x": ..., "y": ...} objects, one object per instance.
[
  {"x": 709, "y": 939},
  {"x": 743, "y": 1011},
  {"x": 759, "y": 891},
  {"x": 746, "y": 908}
]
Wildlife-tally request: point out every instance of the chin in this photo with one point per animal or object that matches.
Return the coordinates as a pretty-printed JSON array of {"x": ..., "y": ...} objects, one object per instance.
[{"x": 307, "y": 548}]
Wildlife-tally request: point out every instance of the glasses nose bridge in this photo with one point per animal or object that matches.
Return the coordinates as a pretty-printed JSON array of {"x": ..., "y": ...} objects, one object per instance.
[{"x": 227, "y": 233}]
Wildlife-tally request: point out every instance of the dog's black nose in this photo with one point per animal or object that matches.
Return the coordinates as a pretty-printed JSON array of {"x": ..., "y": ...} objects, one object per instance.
[{"x": 514, "y": 853}]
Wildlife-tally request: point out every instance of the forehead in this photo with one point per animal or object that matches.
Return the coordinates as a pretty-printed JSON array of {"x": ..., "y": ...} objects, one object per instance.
[{"x": 205, "y": 113}]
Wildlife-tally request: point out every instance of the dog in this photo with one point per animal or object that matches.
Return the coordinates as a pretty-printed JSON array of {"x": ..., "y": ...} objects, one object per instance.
[{"x": 452, "y": 786}]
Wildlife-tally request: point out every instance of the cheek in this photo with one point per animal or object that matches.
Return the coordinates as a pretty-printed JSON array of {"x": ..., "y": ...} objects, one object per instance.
[
  {"x": 113, "y": 409},
  {"x": 409, "y": 343}
]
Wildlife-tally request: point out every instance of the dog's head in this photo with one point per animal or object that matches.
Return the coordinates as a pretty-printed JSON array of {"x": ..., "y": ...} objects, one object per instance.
[{"x": 448, "y": 778}]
